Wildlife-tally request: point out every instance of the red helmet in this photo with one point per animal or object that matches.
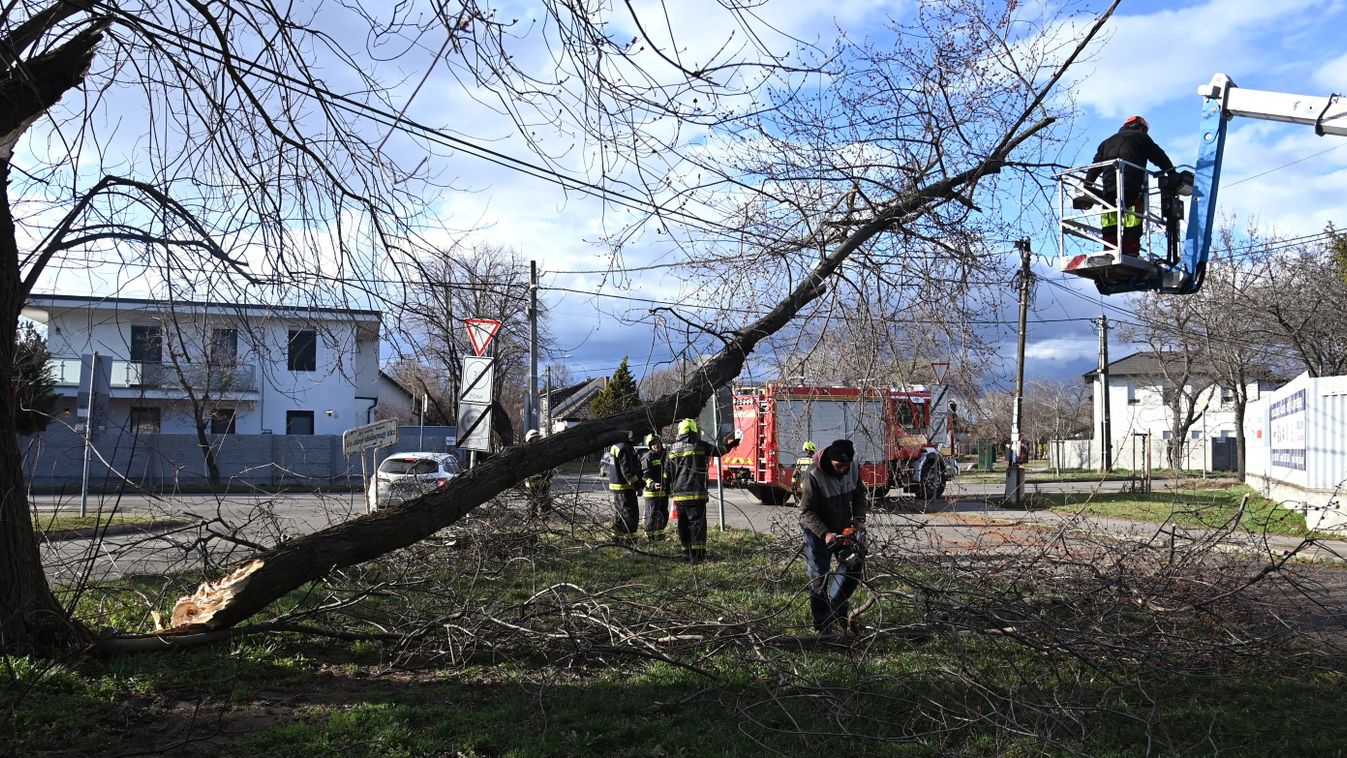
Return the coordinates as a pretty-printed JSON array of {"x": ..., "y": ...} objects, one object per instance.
[{"x": 1135, "y": 120}]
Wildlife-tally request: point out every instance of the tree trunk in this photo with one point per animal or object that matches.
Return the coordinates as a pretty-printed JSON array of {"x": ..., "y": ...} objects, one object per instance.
[
  {"x": 268, "y": 576},
  {"x": 1241, "y": 400},
  {"x": 31, "y": 619},
  {"x": 207, "y": 452}
]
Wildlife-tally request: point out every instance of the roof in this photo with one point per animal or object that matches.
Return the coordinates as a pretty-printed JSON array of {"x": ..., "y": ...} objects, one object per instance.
[
  {"x": 1148, "y": 363},
  {"x": 44, "y": 302},
  {"x": 1151, "y": 363},
  {"x": 572, "y": 402}
]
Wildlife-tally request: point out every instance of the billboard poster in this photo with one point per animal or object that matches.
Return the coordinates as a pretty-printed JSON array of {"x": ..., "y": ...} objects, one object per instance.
[{"x": 1288, "y": 432}]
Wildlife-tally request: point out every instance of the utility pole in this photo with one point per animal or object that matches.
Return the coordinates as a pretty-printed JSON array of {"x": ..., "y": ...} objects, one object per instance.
[
  {"x": 531, "y": 404},
  {"x": 1014, "y": 472},
  {"x": 1106, "y": 432}
]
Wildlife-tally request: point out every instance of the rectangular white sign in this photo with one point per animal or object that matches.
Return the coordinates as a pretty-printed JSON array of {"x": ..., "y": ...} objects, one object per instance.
[
  {"x": 478, "y": 378},
  {"x": 474, "y": 427},
  {"x": 379, "y": 434}
]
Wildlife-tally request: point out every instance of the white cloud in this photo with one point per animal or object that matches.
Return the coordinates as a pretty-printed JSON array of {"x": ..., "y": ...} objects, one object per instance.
[
  {"x": 1149, "y": 59},
  {"x": 1332, "y": 76}
]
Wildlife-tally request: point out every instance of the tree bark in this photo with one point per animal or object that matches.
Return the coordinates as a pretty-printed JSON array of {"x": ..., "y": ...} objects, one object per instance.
[
  {"x": 31, "y": 618},
  {"x": 270, "y": 575}
]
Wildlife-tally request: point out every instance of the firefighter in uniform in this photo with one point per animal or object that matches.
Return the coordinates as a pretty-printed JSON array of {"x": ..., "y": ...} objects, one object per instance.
[
  {"x": 688, "y": 461},
  {"x": 802, "y": 465},
  {"x": 656, "y": 492},
  {"x": 1133, "y": 144},
  {"x": 624, "y": 476}
]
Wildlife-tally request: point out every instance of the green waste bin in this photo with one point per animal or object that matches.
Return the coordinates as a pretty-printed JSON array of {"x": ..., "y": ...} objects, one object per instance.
[{"x": 986, "y": 455}]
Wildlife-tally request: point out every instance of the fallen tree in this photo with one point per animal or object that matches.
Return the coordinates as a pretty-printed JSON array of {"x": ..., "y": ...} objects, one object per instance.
[{"x": 270, "y": 575}]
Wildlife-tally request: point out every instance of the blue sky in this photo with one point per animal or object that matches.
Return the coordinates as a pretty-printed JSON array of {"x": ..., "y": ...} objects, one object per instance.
[
  {"x": 1278, "y": 176},
  {"x": 1150, "y": 59}
]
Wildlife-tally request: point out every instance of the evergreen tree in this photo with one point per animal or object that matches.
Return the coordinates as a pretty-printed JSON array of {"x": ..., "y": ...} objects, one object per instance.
[
  {"x": 35, "y": 386},
  {"x": 621, "y": 394}
]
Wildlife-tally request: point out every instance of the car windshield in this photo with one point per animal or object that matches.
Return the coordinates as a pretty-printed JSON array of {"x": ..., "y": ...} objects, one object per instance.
[{"x": 408, "y": 466}]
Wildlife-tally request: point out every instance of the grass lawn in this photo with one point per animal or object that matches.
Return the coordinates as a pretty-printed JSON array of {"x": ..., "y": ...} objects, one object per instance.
[
  {"x": 52, "y": 523},
  {"x": 1038, "y": 471},
  {"x": 1213, "y": 508},
  {"x": 560, "y": 644}
]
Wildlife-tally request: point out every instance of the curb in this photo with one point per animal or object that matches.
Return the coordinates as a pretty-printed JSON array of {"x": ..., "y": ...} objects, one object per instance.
[{"x": 154, "y": 527}]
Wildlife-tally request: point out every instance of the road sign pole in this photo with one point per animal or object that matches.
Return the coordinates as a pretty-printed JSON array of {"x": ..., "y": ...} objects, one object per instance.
[
  {"x": 364, "y": 480},
  {"x": 531, "y": 403}
]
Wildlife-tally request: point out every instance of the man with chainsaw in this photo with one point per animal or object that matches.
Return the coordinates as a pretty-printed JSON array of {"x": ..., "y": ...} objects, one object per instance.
[
  {"x": 688, "y": 461},
  {"x": 833, "y": 506},
  {"x": 656, "y": 492},
  {"x": 1133, "y": 145},
  {"x": 623, "y": 472}
]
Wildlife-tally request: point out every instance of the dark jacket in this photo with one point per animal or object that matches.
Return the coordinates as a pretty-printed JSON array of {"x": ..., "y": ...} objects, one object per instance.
[
  {"x": 653, "y": 470},
  {"x": 625, "y": 471},
  {"x": 829, "y": 501},
  {"x": 688, "y": 460},
  {"x": 1136, "y": 147}
]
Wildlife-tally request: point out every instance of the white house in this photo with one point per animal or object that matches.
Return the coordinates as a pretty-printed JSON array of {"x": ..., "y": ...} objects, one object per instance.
[
  {"x": 244, "y": 369},
  {"x": 1139, "y": 415}
]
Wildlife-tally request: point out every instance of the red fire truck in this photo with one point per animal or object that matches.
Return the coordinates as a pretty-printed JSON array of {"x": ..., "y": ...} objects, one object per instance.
[{"x": 891, "y": 429}]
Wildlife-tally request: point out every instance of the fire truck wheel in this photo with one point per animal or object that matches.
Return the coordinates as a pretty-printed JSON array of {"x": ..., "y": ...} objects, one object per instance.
[{"x": 931, "y": 484}]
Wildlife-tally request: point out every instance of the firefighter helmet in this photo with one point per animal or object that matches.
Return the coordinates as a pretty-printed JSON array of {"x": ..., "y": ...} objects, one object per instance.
[
  {"x": 532, "y": 435},
  {"x": 1133, "y": 121},
  {"x": 687, "y": 425},
  {"x": 810, "y": 447}
]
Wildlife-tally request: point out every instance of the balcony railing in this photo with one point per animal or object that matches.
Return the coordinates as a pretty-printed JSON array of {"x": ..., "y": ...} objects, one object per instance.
[
  {"x": 65, "y": 371},
  {"x": 233, "y": 377}
]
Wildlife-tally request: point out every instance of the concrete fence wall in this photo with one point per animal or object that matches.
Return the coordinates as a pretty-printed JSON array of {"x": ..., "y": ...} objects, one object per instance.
[{"x": 55, "y": 459}]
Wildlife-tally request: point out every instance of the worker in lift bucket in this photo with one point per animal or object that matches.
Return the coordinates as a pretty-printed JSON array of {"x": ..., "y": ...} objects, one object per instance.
[{"x": 1133, "y": 144}]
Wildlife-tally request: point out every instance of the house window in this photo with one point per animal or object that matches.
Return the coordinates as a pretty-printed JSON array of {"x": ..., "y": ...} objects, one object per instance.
[
  {"x": 224, "y": 346},
  {"x": 1197, "y": 435},
  {"x": 1227, "y": 396},
  {"x": 1132, "y": 398},
  {"x": 299, "y": 422},
  {"x": 1168, "y": 435},
  {"x": 145, "y": 420},
  {"x": 222, "y": 421},
  {"x": 303, "y": 350},
  {"x": 147, "y": 344}
]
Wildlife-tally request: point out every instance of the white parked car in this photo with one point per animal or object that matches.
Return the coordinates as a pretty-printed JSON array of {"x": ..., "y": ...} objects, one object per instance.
[{"x": 404, "y": 476}]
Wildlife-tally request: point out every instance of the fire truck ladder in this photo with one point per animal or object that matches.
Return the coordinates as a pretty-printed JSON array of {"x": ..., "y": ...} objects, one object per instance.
[{"x": 761, "y": 421}]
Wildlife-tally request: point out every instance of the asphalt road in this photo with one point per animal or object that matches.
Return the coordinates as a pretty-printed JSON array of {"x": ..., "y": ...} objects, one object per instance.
[
  {"x": 262, "y": 519},
  {"x": 962, "y": 521}
]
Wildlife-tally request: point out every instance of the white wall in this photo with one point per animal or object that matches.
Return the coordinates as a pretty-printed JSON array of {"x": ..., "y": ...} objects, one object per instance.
[
  {"x": 340, "y": 392},
  {"x": 1296, "y": 441},
  {"x": 1148, "y": 414}
]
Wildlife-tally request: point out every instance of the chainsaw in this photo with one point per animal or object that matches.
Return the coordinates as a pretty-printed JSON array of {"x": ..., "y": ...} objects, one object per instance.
[{"x": 848, "y": 548}]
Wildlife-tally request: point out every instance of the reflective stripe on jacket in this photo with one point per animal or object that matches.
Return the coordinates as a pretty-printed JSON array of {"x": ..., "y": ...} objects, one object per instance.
[
  {"x": 625, "y": 473},
  {"x": 688, "y": 460},
  {"x": 653, "y": 469}
]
